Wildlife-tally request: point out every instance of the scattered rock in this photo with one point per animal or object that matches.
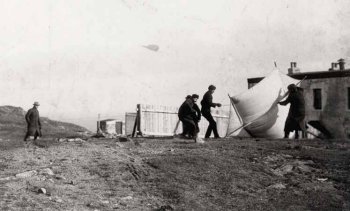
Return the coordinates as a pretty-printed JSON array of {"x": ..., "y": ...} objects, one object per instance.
[
  {"x": 72, "y": 182},
  {"x": 7, "y": 178},
  {"x": 59, "y": 177},
  {"x": 322, "y": 179},
  {"x": 304, "y": 169},
  {"x": 271, "y": 158},
  {"x": 277, "y": 186},
  {"x": 285, "y": 169},
  {"x": 165, "y": 208},
  {"x": 42, "y": 190},
  {"x": 126, "y": 198},
  {"x": 58, "y": 200},
  {"x": 253, "y": 160},
  {"x": 79, "y": 140},
  {"x": 123, "y": 204},
  {"x": 26, "y": 174},
  {"x": 46, "y": 171},
  {"x": 92, "y": 205},
  {"x": 199, "y": 140},
  {"x": 287, "y": 156},
  {"x": 70, "y": 140},
  {"x": 307, "y": 162}
]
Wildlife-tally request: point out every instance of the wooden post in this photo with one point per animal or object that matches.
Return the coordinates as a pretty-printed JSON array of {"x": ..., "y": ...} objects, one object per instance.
[
  {"x": 138, "y": 117},
  {"x": 177, "y": 125},
  {"x": 137, "y": 126},
  {"x": 98, "y": 124}
]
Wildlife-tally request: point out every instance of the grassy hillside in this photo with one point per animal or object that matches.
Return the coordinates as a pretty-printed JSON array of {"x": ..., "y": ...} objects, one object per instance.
[{"x": 13, "y": 125}]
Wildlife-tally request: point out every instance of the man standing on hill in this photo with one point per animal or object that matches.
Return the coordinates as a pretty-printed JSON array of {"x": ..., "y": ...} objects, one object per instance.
[
  {"x": 296, "y": 115},
  {"x": 207, "y": 103},
  {"x": 33, "y": 122}
]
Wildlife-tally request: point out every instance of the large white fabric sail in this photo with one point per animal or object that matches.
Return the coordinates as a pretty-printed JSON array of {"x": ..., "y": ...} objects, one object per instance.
[{"x": 258, "y": 107}]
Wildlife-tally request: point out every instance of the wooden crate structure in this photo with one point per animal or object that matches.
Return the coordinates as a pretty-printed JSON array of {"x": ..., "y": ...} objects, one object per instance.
[
  {"x": 108, "y": 126},
  {"x": 155, "y": 120},
  {"x": 119, "y": 127}
]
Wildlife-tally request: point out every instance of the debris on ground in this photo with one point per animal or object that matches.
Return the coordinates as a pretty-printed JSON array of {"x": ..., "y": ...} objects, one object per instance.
[
  {"x": 46, "y": 171},
  {"x": 42, "y": 190},
  {"x": 26, "y": 174},
  {"x": 70, "y": 140},
  {"x": 277, "y": 186}
]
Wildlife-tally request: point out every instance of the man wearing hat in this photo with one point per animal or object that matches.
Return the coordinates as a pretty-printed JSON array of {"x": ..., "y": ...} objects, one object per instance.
[
  {"x": 33, "y": 122},
  {"x": 188, "y": 116},
  {"x": 296, "y": 116},
  {"x": 197, "y": 115},
  {"x": 207, "y": 103}
]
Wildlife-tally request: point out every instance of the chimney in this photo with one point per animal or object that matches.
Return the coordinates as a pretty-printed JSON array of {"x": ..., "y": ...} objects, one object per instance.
[
  {"x": 334, "y": 66},
  {"x": 341, "y": 64},
  {"x": 293, "y": 68}
]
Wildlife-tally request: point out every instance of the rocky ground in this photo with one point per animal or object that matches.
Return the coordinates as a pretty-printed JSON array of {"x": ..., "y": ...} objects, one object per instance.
[{"x": 175, "y": 174}]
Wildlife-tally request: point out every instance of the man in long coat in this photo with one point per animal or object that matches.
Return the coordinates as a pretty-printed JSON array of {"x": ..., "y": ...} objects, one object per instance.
[
  {"x": 207, "y": 103},
  {"x": 187, "y": 115},
  {"x": 33, "y": 122},
  {"x": 296, "y": 116},
  {"x": 197, "y": 116}
]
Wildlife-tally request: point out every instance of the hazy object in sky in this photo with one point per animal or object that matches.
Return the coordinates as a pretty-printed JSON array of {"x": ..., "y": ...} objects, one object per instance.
[{"x": 152, "y": 47}]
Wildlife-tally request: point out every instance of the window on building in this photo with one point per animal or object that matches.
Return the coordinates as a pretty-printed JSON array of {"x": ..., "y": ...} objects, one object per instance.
[
  {"x": 317, "y": 99},
  {"x": 349, "y": 98}
]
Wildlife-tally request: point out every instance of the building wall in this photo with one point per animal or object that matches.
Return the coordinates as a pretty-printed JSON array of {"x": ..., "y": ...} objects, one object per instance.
[{"x": 334, "y": 114}]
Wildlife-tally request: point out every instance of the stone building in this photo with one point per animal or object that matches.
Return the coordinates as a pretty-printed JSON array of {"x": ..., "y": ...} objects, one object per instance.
[{"x": 327, "y": 97}]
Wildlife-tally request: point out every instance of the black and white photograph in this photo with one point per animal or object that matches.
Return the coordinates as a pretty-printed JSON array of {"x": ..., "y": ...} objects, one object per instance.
[{"x": 162, "y": 105}]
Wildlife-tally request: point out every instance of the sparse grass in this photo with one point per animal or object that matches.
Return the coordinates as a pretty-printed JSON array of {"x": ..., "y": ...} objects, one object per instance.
[{"x": 147, "y": 174}]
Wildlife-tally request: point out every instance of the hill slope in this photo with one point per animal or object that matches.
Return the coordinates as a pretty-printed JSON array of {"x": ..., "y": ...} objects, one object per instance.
[{"x": 13, "y": 125}]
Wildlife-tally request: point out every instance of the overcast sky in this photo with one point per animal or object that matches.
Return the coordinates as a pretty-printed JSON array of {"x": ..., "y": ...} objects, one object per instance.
[{"x": 79, "y": 58}]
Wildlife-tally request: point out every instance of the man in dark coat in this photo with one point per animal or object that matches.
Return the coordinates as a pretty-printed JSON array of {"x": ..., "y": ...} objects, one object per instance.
[
  {"x": 207, "y": 103},
  {"x": 197, "y": 116},
  {"x": 33, "y": 122},
  {"x": 187, "y": 117},
  {"x": 184, "y": 130},
  {"x": 296, "y": 115}
]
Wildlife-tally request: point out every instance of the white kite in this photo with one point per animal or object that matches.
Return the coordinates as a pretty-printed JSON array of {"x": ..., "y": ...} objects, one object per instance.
[{"x": 258, "y": 109}]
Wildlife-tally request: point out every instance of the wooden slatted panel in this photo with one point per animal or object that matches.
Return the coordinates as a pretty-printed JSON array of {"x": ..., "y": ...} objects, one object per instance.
[
  {"x": 162, "y": 120},
  {"x": 129, "y": 123}
]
